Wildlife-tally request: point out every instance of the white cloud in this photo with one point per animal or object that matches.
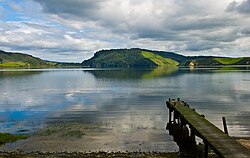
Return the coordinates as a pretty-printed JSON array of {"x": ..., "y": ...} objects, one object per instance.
[
  {"x": 64, "y": 28},
  {"x": 15, "y": 6}
]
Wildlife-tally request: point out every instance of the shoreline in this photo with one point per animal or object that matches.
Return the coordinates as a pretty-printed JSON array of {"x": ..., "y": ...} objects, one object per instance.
[
  {"x": 83, "y": 140},
  {"x": 89, "y": 154},
  {"x": 21, "y": 154},
  {"x": 77, "y": 154}
]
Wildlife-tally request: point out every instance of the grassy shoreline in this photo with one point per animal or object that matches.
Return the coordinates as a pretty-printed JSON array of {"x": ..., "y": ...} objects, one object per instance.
[{"x": 8, "y": 138}]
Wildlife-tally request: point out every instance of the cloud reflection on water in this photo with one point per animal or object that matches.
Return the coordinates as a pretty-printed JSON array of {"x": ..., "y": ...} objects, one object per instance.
[{"x": 126, "y": 97}]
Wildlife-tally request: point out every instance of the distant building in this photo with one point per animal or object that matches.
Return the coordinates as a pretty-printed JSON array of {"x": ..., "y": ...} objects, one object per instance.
[{"x": 193, "y": 63}]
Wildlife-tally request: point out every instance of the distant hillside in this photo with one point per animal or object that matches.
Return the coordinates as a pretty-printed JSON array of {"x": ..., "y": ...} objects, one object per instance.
[
  {"x": 132, "y": 58},
  {"x": 215, "y": 61},
  {"x": 19, "y": 60},
  {"x": 119, "y": 58},
  {"x": 136, "y": 57},
  {"x": 159, "y": 60}
]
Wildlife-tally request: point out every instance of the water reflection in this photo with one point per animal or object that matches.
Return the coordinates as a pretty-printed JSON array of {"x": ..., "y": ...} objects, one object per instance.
[
  {"x": 124, "y": 101},
  {"x": 12, "y": 73},
  {"x": 160, "y": 72},
  {"x": 118, "y": 73},
  {"x": 122, "y": 74}
]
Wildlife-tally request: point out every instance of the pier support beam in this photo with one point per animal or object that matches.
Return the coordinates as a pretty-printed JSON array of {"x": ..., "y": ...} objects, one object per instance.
[
  {"x": 206, "y": 150},
  {"x": 225, "y": 125},
  {"x": 192, "y": 135},
  {"x": 170, "y": 116}
]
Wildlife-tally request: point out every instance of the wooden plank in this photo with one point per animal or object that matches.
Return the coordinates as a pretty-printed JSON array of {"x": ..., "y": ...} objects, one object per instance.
[{"x": 220, "y": 142}]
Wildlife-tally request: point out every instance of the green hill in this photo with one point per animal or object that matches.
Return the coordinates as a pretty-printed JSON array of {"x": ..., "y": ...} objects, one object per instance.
[
  {"x": 228, "y": 61},
  {"x": 119, "y": 58},
  {"x": 159, "y": 60},
  {"x": 204, "y": 61},
  {"x": 136, "y": 57},
  {"x": 19, "y": 60}
]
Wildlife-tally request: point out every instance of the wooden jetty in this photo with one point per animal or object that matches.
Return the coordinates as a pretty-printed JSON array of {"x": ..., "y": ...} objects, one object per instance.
[{"x": 181, "y": 114}]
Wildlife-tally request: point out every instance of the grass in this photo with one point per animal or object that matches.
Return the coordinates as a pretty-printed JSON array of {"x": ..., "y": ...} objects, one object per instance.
[
  {"x": 158, "y": 60},
  {"x": 228, "y": 61},
  {"x": 19, "y": 64},
  {"x": 14, "y": 64},
  {"x": 7, "y": 138}
]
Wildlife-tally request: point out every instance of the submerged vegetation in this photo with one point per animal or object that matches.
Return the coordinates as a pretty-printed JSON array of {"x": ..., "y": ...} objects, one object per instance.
[
  {"x": 74, "y": 133},
  {"x": 7, "y": 138},
  {"x": 70, "y": 130}
]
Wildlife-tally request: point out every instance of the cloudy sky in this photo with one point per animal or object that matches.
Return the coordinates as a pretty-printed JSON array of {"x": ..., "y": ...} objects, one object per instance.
[{"x": 73, "y": 30}]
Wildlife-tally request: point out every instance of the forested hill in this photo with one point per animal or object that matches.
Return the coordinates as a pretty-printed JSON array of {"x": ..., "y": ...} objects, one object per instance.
[
  {"x": 133, "y": 58},
  {"x": 136, "y": 57},
  {"x": 9, "y": 59},
  {"x": 19, "y": 60}
]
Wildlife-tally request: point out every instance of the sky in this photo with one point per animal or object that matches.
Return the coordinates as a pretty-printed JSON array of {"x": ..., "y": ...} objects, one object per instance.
[{"x": 73, "y": 30}]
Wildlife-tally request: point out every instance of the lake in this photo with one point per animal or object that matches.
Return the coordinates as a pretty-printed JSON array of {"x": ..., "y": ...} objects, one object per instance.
[{"x": 116, "y": 109}]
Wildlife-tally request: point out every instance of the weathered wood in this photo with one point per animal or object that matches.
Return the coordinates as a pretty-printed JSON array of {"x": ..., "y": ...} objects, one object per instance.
[
  {"x": 225, "y": 125},
  {"x": 221, "y": 143},
  {"x": 206, "y": 151}
]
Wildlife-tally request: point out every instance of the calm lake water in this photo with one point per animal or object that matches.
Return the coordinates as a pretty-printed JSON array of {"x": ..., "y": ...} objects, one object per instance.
[{"x": 124, "y": 100}]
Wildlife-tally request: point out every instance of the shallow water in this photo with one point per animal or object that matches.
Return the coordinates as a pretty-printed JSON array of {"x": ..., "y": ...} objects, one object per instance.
[{"x": 129, "y": 103}]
